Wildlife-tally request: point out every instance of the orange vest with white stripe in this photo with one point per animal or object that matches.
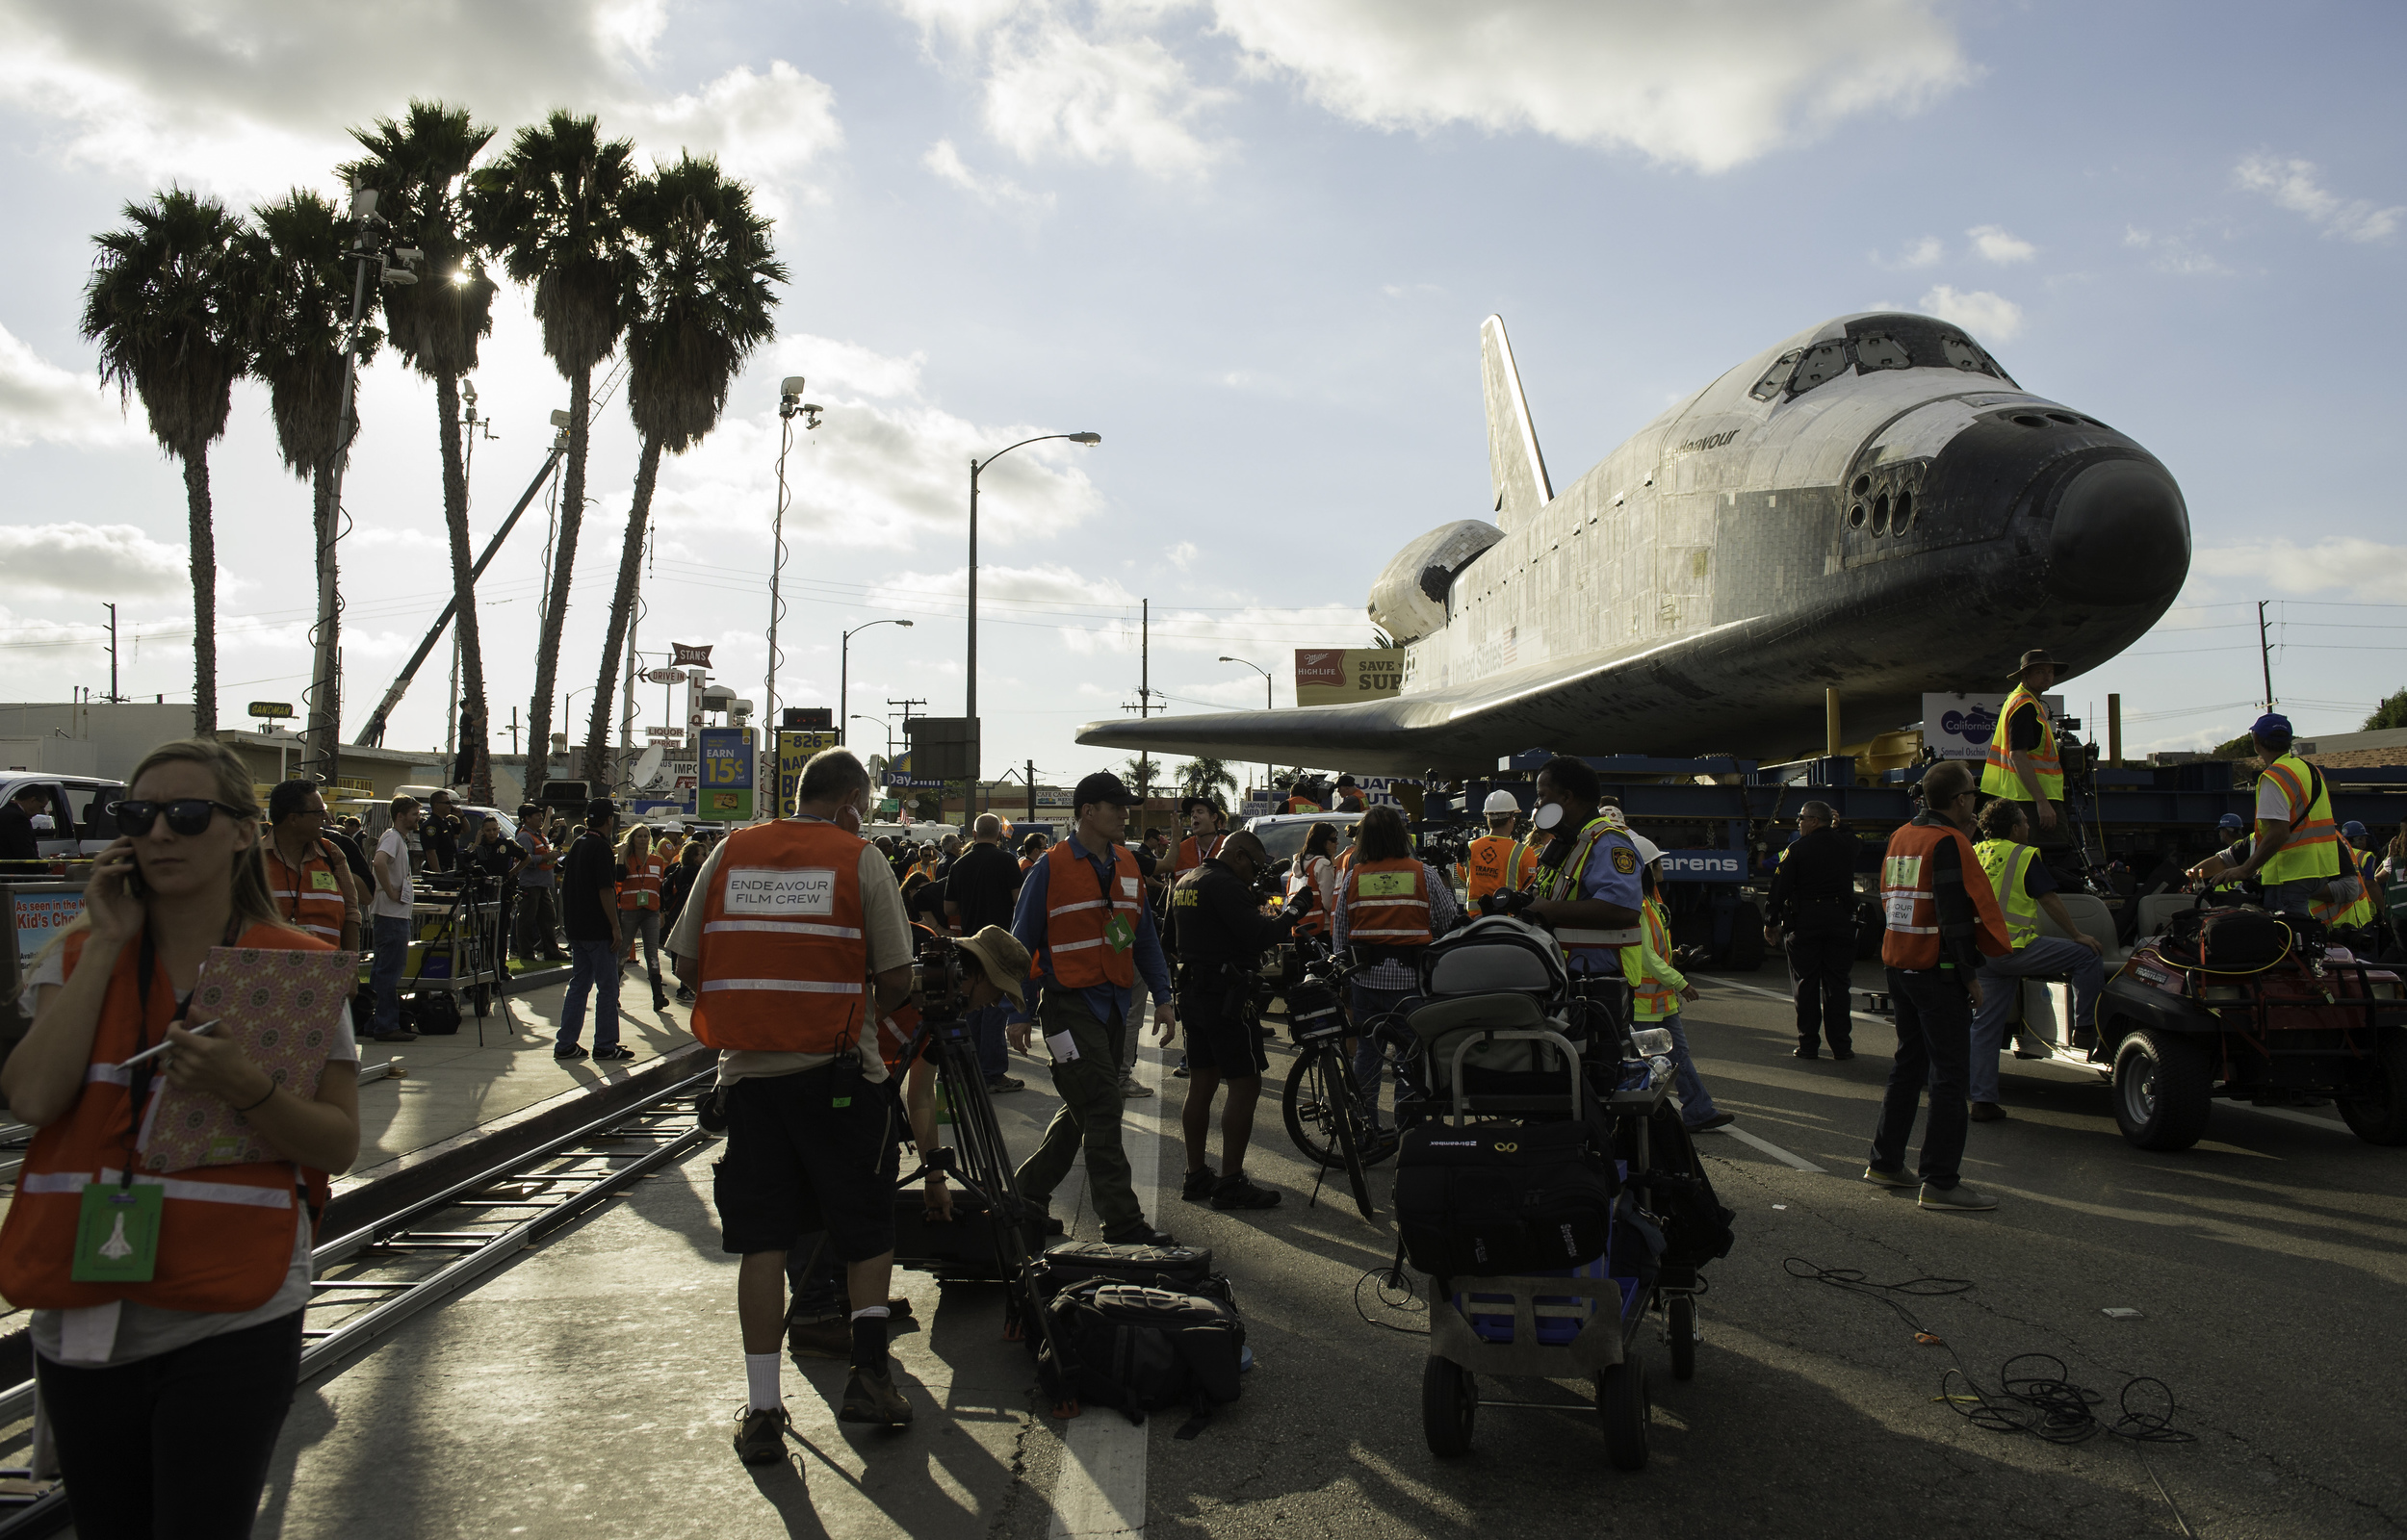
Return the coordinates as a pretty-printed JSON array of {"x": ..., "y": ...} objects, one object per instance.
[
  {"x": 310, "y": 899},
  {"x": 640, "y": 888},
  {"x": 1388, "y": 903},
  {"x": 785, "y": 961},
  {"x": 1079, "y": 915},
  {"x": 226, "y": 1232},
  {"x": 1498, "y": 860},
  {"x": 1194, "y": 853},
  {"x": 1909, "y": 902},
  {"x": 1319, "y": 874}
]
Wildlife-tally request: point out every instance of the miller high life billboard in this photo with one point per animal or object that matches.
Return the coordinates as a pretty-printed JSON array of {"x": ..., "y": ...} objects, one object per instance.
[{"x": 1337, "y": 675}]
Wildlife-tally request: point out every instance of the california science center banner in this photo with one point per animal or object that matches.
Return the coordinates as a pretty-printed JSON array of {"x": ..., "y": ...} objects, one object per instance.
[
  {"x": 1960, "y": 726},
  {"x": 1343, "y": 674}
]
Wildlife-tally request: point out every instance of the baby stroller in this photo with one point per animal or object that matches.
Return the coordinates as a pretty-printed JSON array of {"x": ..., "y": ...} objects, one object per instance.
[{"x": 1544, "y": 1186}]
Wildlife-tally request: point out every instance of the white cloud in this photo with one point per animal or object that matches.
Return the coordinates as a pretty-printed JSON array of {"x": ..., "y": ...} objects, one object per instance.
[
  {"x": 2174, "y": 254},
  {"x": 110, "y": 560},
  {"x": 1708, "y": 88},
  {"x": 242, "y": 100},
  {"x": 42, "y": 403},
  {"x": 1923, "y": 253},
  {"x": 2135, "y": 236},
  {"x": 1106, "y": 92},
  {"x": 994, "y": 192},
  {"x": 1183, "y": 554},
  {"x": 830, "y": 365},
  {"x": 1988, "y": 316},
  {"x": 1996, "y": 244},
  {"x": 2292, "y": 184},
  {"x": 2337, "y": 564}
]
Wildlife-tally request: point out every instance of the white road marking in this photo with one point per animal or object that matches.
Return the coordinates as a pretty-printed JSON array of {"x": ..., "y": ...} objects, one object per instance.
[
  {"x": 1099, "y": 1490},
  {"x": 1774, "y": 995},
  {"x": 2330, "y": 1125},
  {"x": 1793, "y": 1162}
]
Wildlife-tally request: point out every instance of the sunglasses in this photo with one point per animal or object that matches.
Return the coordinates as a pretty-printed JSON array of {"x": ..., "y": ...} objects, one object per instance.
[{"x": 186, "y": 815}]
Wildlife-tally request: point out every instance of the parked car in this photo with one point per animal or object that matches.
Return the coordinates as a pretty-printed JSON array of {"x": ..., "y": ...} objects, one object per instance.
[{"x": 85, "y": 827}]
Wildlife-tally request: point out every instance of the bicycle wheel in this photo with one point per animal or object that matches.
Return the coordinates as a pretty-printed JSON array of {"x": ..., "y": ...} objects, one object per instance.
[{"x": 1313, "y": 1106}]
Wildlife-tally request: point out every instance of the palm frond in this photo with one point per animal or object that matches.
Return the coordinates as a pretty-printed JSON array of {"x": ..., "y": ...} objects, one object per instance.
[{"x": 163, "y": 307}]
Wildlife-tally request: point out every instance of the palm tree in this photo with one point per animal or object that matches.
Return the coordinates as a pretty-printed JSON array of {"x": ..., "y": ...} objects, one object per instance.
[
  {"x": 550, "y": 209},
  {"x": 162, "y": 306},
  {"x": 418, "y": 165},
  {"x": 1138, "y": 773},
  {"x": 700, "y": 307},
  {"x": 1204, "y": 778},
  {"x": 295, "y": 310}
]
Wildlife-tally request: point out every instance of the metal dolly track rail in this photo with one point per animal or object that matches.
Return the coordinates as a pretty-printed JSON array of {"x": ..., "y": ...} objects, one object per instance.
[{"x": 403, "y": 1236}]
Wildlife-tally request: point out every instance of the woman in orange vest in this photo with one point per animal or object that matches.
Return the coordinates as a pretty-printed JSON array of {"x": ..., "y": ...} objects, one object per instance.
[
  {"x": 1390, "y": 904},
  {"x": 1316, "y": 868},
  {"x": 168, "y": 1350},
  {"x": 1940, "y": 919},
  {"x": 639, "y": 873}
]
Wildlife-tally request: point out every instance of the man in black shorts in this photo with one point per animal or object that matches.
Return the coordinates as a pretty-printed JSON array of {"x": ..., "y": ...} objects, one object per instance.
[{"x": 1222, "y": 932}]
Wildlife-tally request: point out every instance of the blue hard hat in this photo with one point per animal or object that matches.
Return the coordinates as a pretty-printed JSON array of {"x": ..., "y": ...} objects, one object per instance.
[
  {"x": 2231, "y": 820},
  {"x": 2271, "y": 725},
  {"x": 2353, "y": 830}
]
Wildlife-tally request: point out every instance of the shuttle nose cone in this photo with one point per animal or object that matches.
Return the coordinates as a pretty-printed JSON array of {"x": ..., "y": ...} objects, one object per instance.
[{"x": 2119, "y": 535}]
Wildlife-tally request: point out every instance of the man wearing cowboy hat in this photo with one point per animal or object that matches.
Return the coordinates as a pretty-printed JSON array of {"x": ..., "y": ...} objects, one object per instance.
[{"x": 2023, "y": 763}]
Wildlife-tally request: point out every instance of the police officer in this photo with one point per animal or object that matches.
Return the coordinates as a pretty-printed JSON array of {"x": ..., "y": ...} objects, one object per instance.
[
  {"x": 795, "y": 945},
  {"x": 1813, "y": 900},
  {"x": 1222, "y": 932},
  {"x": 1588, "y": 888},
  {"x": 2023, "y": 763}
]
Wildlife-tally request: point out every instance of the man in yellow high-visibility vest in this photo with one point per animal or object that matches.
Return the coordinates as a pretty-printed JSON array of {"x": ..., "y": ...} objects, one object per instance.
[
  {"x": 2296, "y": 848},
  {"x": 2023, "y": 763}
]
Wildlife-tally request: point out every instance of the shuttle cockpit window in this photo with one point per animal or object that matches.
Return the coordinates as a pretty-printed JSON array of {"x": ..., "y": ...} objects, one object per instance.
[
  {"x": 1881, "y": 350},
  {"x": 1822, "y": 362},
  {"x": 1777, "y": 377},
  {"x": 1962, "y": 353}
]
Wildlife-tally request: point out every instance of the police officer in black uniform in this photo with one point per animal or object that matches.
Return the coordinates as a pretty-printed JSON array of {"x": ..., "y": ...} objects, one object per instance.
[
  {"x": 1222, "y": 932},
  {"x": 1813, "y": 899}
]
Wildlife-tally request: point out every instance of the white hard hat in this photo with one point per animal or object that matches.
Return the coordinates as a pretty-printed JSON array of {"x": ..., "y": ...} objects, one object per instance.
[
  {"x": 1500, "y": 801},
  {"x": 1648, "y": 852}
]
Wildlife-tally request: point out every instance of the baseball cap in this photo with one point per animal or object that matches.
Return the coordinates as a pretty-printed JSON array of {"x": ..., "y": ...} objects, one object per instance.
[
  {"x": 1501, "y": 801},
  {"x": 1101, "y": 786},
  {"x": 2271, "y": 725},
  {"x": 2353, "y": 830},
  {"x": 598, "y": 806},
  {"x": 1004, "y": 959},
  {"x": 2231, "y": 820}
]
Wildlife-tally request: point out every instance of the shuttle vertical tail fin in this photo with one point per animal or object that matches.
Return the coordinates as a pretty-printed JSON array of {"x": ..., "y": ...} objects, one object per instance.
[{"x": 1516, "y": 469}]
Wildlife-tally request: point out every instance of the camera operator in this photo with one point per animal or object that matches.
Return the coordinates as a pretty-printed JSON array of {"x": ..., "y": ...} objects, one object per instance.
[
  {"x": 1222, "y": 932},
  {"x": 795, "y": 945}
]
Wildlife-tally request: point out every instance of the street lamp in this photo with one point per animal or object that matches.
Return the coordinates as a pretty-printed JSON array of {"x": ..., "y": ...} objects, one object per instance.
[
  {"x": 844, "y": 682},
  {"x": 885, "y": 722},
  {"x": 1267, "y": 703},
  {"x": 789, "y": 406},
  {"x": 976, "y": 746}
]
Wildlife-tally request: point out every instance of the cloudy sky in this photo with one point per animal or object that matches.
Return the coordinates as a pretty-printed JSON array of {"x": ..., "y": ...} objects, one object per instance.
[{"x": 1248, "y": 242}]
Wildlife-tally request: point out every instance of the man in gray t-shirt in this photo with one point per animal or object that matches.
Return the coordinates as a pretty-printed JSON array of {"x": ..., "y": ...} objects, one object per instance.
[{"x": 388, "y": 914}]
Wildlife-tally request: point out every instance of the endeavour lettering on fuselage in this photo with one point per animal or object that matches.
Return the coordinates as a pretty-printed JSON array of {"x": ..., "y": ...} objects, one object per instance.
[{"x": 1710, "y": 440}]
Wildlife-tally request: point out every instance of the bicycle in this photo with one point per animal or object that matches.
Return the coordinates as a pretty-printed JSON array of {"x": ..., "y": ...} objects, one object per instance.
[{"x": 1330, "y": 1117}]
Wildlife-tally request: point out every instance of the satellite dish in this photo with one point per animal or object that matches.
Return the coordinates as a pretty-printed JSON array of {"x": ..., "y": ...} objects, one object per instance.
[{"x": 648, "y": 765}]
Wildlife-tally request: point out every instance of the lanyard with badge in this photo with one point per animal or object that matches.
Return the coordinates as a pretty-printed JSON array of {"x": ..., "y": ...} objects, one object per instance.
[{"x": 117, "y": 1232}]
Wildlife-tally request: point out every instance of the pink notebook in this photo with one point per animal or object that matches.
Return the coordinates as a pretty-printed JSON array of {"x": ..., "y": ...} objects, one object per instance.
[{"x": 285, "y": 1009}]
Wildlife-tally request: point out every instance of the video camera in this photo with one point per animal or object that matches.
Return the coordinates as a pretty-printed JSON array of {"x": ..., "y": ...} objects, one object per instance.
[{"x": 939, "y": 981}]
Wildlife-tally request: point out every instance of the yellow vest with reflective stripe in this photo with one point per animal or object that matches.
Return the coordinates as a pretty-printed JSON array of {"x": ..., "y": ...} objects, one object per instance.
[
  {"x": 2312, "y": 849},
  {"x": 1651, "y": 998},
  {"x": 1998, "y": 777},
  {"x": 2007, "y": 862},
  {"x": 2358, "y": 912}
]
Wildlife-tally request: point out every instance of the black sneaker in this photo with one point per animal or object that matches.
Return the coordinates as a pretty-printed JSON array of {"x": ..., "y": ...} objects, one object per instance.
[
  {"x": 1236, "y": 1192},
  {"x": 1179, "y": 1073},
  {"x": 870, "y": 1396},
  {"x": 1199, "y": 1184},
  {"x": 1141, "y": 1235},
  {"x": 760, "y": 1435},
  {"x": 1005, "y": 1086},
  {"x": 569, "y": 1053},
  {"x": 685, "y": 995},
  {"x": 615, "y": 1053},
  {"x": 1717, "y": 1120}
]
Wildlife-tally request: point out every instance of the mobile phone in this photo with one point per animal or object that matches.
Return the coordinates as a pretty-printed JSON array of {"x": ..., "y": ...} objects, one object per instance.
[{"x": 133, "y": 886}]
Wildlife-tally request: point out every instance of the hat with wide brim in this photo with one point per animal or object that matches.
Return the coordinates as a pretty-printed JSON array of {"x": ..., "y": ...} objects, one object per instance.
[
  {"x": 1004, "y": 959},
  {"x": 2036, "y": 657}
]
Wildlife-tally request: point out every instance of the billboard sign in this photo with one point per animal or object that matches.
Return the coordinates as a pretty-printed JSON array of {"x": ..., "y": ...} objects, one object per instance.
[
  {"x": 727, "y": 759},
  {"x": 1960, "y": 726},
  {"x": 794, "y": 747},
  {"x": 683, "y": 657},
  {"x": 1340, "y": 676}
]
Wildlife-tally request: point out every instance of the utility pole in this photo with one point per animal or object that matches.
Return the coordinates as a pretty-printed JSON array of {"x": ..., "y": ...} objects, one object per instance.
[
  {"x": 2264, "y": 654},
  {"x": 1031, "y": 791},
  {"x": 1144, "y": 707},
  {"x": 114, "y": 696},
  {"x": 514, "y": 729}
]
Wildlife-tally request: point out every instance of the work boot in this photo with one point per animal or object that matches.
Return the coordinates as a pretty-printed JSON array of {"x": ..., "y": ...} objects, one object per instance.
[
  {"x": 1236, "y": 1192},
  {"x": 870, "y": 1396},
  {"x": 1199, "y": 1184},
  {"x": 1986, "y": 1112},
  {"x": 1959, "y": 1199}
]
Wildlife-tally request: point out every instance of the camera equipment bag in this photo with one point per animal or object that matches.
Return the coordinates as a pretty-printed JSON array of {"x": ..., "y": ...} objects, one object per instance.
[
  {"x": 1502, "y": 1198},
  {"x": 1677, "y": 1192},
  {"x": 1145, "y": 1349},
  {"x": 1187, "y": 1268}
]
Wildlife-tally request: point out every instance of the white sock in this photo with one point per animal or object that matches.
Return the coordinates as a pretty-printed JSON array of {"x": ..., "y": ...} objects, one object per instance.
[
  {"x": 882, "y": 1312},
  {"x": 761, "y": 1380}
]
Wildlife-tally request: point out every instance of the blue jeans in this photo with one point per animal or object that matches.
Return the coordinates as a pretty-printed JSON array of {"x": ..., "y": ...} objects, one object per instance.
[
  {"x": 391, "y": 941},
  {"x": 1370, "y": 1053},
  {"x": 2001, "y": 978},
  {"x": 986, "y": 1030},
  {"x": 593, "y": 966},
  {"x": 1696, "y": 1103},
  {"x": 2293, "y": 897},
  {"x": 1934, "y": 1023}
]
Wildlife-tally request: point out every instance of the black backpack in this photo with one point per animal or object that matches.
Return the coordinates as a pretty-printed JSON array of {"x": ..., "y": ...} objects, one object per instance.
[
  {"x": 1144, "y": 1349},
  {"x": 1503, "y": 1199}
]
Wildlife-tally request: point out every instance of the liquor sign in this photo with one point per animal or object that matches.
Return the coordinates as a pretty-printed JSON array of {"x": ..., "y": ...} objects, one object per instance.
[
  {"x": 727, "y": 760},
  {"x": 1960, "y": 726},
  {"x": 795, "y": 749},
  {"x": 1340, "y": 675},
  {"x": 683, "y": 656}
]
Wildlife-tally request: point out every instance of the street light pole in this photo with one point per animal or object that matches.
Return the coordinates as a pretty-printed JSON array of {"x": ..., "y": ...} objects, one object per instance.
[
  {"x": 888, "y": 723},
  {"x": 976, "y": 465},
  {"x": 1267, "y": 703},
  {"x": 844, "y": 683}
]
